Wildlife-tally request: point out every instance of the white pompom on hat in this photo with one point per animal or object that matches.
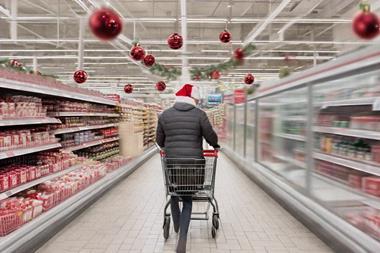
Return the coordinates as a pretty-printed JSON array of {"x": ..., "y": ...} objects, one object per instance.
[{"x": 189, "y": 90}]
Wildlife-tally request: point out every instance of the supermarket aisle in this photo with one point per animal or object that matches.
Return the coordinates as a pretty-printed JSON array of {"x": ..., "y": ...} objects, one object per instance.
[{"x": 129, "y": 219}]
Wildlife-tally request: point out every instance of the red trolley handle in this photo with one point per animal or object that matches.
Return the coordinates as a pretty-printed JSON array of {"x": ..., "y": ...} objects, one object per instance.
[
  {"x": 206, "y": 153},
  {"x": 211, "y": 153}
]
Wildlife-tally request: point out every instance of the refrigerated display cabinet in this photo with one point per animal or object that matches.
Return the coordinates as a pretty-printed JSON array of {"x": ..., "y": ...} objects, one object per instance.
[{"x": 316, "y": 146}]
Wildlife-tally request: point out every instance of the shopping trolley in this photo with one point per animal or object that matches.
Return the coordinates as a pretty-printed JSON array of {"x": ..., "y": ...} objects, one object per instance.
[{"x": 191, "y": 177}]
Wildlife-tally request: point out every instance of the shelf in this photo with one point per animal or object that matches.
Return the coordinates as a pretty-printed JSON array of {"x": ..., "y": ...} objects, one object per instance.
[
  {"x": 291, "y": 160},
  {"x": 290, "y": 136},
  {"x": 77, "y": 129},
  {"x": 373, "y": 135},
  {"x": 343, "y": 185},
  {"x": 89, "y": 114},
  {"x": 33, "y": 233},
  {"x": 28, "y": 121},
  {"x": 356, "y": 165},
  {"x": 29, "y": 150},
  {"x": 91, "y": 143},
  {"x": 349, "y": 102},
  {"x": 30, "y": 184},
  {"x": 35, "y": 88}
]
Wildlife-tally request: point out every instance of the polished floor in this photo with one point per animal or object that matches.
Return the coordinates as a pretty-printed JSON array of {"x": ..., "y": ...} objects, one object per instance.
[{"x": 128, "y": 218}]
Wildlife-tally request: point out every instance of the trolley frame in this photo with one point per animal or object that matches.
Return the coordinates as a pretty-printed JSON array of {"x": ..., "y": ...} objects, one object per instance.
[{"x": 191, "y": 177}]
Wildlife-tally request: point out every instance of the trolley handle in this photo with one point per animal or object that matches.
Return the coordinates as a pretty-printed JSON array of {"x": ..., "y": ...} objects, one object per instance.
[
  {"x": 206, "y": 153},
  {"x": 211, "y": 153}
]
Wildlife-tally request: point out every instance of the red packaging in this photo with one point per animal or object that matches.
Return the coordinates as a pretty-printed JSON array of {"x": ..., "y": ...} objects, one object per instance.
[
  {"x": 355, "y": 181},
  {"x": 13, "y": 180},
  {"x": 23, "y": 176},
  {"x": 4, "y": 182}
]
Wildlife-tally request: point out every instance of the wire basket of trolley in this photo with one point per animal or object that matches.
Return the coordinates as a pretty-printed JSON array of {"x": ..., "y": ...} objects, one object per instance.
[{"x": 191, "y": 177}]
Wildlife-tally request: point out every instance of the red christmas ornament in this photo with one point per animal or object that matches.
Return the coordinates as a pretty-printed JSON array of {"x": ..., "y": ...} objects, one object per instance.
[
  {"x": 80, "y": 76},
  {"x": 137, "y": 52},
  {"x": 175, "y": 41},
  {"x": 128, "y": 88},
  {"x": 160, "y": 86},
  {"x": 239, "y": 54},
  {"x": 105, "y": 24},
  {"x": 149, "y": 60},
  {"x": 215, "y": 74},
  {"x": 249, "y": 78},
  {"x": 366, "y": 23},
  {"x": 225, "y": 36}
]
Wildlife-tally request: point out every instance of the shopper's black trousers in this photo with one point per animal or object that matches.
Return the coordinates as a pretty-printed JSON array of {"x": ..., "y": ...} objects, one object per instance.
[{"x": 181, "y": 218}]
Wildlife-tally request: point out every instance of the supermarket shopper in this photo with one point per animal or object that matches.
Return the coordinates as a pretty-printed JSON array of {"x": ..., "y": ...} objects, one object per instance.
[{"x": 180, "y": 133}]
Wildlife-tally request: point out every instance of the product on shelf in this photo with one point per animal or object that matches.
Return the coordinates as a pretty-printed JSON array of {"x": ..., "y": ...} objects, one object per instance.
[
  {"x": 18, "y": 107},
  {"x": 78, "y": 138},
  {"x": 18, "y": 171},
  {"x": 23, "y": 138},
  {"x": 70, "y": 106},
  {"x": 352, "y": 148},
  {"x": 100, "y": 152},
  {"x": 216, "y": 116},
  {"x": 69, "y": 122},
  {"x": 18, "y": 210},
  {"x": 354, "y": 178},
  {"x": 365, "y": 218}
]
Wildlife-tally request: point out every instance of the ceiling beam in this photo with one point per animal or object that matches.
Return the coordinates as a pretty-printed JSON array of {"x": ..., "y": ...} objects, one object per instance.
[
  {"x": 259, "y": 28},
  {"x": 53, "y": 19},
  {"x": 195, "y": 42}
]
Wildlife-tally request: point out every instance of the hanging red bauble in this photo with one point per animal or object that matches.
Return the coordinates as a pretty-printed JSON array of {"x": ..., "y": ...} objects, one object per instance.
[
  {"x": 249, "y": 78},
  {"x": 366, "y": 23},
  {"x": 80, "y": 76},
  {"x": 175, "y": 41},
  {"x": 225, "y": 36},
  {"x": 128, "y": 88},
  {"x": 13, "y": 62},
  {"x": 137, "y": 52},
  {"x": 160, "y": 86},
  {"x": 215, "y": 74},
  {"x": 105, "y": 24},
  {"x": 239, "y": 54},
  {"x": 149, "y": 60}
]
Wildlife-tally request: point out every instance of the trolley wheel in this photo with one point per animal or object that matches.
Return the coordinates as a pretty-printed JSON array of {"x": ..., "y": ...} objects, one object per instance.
[
  {"x": 166, "y": 227},
  {"x": 215, "y": 221},
  {"x": 213, "y": 232}
]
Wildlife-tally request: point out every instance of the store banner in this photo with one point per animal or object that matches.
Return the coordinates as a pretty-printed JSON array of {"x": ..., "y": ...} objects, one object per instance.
[
  {"x": 239, "y": 96},
  {"x": 214, "y": 99}
]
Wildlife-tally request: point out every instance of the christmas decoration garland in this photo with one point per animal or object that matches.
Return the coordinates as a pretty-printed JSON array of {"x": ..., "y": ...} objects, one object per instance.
[
  {"x": 15, "y": 65},
  {"x": 202, "y": 73}
]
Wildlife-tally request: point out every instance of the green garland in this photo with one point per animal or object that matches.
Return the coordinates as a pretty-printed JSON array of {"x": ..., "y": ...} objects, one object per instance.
[
  {"x": 6, "y": 63},
  {"x": 168, "y": 73},
  {"x": 284, "y": 72},
  {"x": 203, "y": 72}
]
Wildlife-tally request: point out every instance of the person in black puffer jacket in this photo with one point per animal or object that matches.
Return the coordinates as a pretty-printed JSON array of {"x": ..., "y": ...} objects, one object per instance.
[{"x": 180, "y": 132}]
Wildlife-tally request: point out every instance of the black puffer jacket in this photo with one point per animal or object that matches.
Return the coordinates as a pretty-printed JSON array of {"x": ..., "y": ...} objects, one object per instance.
[{"x": 181, "y": 129}]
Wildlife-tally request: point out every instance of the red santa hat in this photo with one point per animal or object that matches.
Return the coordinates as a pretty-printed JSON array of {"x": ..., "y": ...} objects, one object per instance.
[{"x": 188, "y": 90}]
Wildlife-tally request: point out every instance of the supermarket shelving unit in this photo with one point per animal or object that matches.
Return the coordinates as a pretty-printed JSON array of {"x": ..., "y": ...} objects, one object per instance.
[
  {"x": 287, "y": 147},
  {"x": 31, "y": 235}
]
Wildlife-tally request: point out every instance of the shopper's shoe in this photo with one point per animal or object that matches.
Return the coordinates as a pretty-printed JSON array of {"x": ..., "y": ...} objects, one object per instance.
[{"x": 181, "y": 246}]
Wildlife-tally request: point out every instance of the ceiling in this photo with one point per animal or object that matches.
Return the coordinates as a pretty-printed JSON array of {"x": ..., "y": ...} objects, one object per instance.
[{"x": 294, "y": 33}]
